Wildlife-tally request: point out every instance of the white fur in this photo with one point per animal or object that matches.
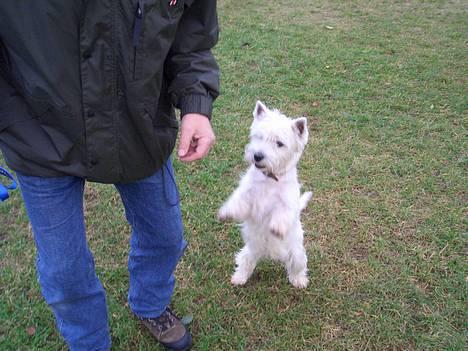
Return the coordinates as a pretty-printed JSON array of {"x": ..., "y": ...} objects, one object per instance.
[{"x": 268, "y": 208}]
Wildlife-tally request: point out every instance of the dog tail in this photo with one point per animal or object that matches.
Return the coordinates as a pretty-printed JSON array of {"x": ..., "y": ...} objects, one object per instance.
[{"x": 305, "y": 198}]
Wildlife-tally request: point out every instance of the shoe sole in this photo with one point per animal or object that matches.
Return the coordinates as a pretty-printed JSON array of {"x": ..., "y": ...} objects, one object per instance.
[{"x": 186, "y": 341}]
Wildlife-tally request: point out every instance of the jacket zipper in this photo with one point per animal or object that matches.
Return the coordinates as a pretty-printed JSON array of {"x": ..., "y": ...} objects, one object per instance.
[{"x": 137, "y": 33}]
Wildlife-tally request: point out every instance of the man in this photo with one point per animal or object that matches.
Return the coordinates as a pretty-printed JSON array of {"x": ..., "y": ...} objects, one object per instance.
[{"x": 87, "y": 90}]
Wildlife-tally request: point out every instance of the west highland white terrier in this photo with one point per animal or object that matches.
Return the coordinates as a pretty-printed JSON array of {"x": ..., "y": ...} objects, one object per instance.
[{"x": 267, "y": 201}]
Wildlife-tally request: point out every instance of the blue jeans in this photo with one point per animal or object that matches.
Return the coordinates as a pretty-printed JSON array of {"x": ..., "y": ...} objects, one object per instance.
[{"x": 65, "y": 265}]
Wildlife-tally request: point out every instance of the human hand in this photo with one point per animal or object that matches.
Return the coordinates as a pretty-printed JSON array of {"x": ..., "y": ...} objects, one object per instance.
[{"x": 196, "y": 137}]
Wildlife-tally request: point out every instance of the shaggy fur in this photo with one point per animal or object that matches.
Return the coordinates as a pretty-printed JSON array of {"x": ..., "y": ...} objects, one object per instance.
[{"x": 267, "y": 201}]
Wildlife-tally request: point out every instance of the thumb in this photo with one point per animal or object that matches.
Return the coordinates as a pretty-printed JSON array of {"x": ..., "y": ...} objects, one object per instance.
[{"x": 185, "y": 140}]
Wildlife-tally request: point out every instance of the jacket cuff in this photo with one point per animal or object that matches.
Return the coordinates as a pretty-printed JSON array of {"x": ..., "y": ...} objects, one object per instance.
[{"x": 202, "y": 104}]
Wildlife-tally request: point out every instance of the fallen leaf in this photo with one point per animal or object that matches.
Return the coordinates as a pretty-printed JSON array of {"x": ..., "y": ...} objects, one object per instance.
[
  {"x": 316, "y": 104},
  {"x": 186, "y": 320},
  {"x": 31, "y": 331},
  {"x": 329, "y": 27}
]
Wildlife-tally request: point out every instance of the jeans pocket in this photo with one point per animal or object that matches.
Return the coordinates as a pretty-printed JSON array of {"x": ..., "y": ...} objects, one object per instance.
[{"x": 171, "y": 192}]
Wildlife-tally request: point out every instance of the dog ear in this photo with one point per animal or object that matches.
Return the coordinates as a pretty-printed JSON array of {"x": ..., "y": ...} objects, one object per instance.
[
  {"x": 300, "y": 126},
  {"x": 259, "y": 111}
]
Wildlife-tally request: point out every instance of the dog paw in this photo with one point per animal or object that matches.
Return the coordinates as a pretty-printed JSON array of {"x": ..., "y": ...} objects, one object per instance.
[
  {"x": 238, "y": 279},
  {"x": 299, "y": 282},
  {"x": 277, "y": 233},
  {"x": 278, "y": 230},
  {"x": 224, "y": 215}
]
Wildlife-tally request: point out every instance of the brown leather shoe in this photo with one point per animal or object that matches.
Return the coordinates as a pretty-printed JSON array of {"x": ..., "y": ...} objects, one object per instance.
[{"x": 169, "y": 331}]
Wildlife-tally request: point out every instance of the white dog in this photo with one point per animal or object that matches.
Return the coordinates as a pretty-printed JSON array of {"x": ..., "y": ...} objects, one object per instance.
[{"x": 268, "y": 200}]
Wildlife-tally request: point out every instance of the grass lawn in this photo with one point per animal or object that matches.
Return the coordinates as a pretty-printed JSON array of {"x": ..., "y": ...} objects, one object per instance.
[{"x": 383, "y": 84}]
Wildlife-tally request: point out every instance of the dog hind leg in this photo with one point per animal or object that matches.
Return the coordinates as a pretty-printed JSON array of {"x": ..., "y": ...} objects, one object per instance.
[
  {"x": 296, "y": 266},
  {"x": 246, "y": 261}
]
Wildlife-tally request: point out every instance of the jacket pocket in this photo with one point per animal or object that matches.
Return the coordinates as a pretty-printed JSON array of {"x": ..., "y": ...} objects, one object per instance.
[
  {"x": 158, "y": 136},
  {"x": 5, "y": 65},
  {"x": 175, "y": 8},
  {"x": 137, "y": 38},
  {"x": 153, "y": 31}
]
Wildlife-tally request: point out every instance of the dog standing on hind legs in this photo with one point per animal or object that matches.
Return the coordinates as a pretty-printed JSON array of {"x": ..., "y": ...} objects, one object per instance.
[{"x": 268, "y": 201}]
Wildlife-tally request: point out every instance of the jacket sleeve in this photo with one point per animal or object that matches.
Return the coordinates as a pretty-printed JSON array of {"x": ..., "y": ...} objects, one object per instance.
[{"x": 191, "y": 69}]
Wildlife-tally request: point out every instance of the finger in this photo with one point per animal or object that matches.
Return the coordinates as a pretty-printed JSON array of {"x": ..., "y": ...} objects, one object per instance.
[
  {"x": 201, "y": 150},
  {"x": 204, "y": 146},
  {"x": 186, "y": 136},
  {"x": 189, "y": 153}
]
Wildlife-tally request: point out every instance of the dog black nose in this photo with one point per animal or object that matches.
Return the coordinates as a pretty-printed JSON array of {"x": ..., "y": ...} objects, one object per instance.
[{"x": 258, "y": 156}]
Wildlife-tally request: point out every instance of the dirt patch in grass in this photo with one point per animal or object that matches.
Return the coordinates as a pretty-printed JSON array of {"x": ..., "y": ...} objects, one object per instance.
[{"x": 301, "y": 12}]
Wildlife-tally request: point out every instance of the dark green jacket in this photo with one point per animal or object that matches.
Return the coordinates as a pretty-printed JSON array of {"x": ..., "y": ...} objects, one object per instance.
[{"x": 88, "y": 87}]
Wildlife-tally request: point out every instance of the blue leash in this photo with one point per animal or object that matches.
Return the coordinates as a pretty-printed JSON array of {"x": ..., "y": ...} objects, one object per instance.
[{"x": 4, "y": 188}]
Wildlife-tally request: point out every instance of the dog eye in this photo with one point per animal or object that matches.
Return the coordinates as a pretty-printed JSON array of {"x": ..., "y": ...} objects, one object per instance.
[{"x": 279, "y": 144}]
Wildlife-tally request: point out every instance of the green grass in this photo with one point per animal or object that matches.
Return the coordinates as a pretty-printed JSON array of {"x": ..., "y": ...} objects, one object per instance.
[{"x": 383, "y": 84}]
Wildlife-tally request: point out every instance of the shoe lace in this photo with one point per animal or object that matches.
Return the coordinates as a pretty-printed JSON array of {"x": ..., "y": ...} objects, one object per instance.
[{"x": 162, "y": 323}]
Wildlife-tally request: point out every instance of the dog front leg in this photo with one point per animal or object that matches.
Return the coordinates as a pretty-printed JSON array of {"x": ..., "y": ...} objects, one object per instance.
[
  {"x": 235, "y": 208},
  {"x": 281, "y": 222}
]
